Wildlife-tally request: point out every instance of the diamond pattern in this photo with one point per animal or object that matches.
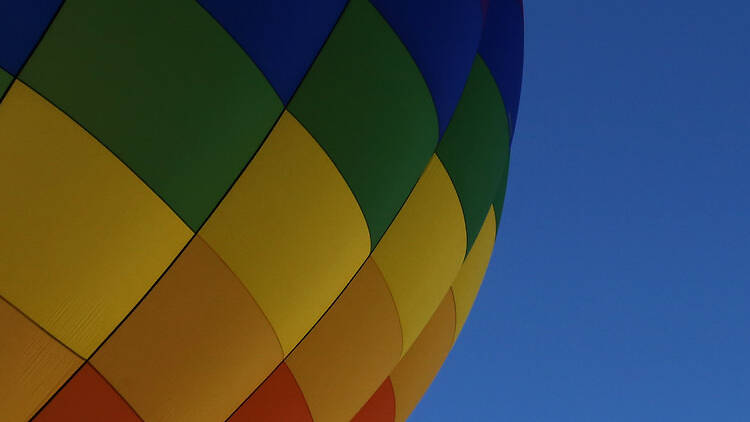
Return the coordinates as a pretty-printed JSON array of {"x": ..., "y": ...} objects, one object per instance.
[{"x": 184, "y": 247}]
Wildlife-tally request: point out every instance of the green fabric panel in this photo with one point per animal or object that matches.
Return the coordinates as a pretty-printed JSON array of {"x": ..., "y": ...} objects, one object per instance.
[
  {"x": 5, "y": 80},
  {"x": 474, "y": 148},
  {"x": 365, "y": 102},
  {"x": 164, "y": 87}
]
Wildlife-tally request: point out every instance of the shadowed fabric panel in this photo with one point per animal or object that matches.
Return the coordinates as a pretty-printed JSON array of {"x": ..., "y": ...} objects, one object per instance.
[
  {"x": 291, "y": 230},
  {"x": 5, "y": 80},
  {"x": 32, "y": 365},
  {"x": 502, "y": 49},
  {"x": 21, "y": 25},
  {"x": 282, "y": 37},
  {"x": 367, "y": 105},
  {"x": 194, "y": 348},
  {"x": 88, "y": 238},
  {"x": 164, "y": 87},
  {"x": 442, "y": 36},
  {"x": 474, "y": 149}
]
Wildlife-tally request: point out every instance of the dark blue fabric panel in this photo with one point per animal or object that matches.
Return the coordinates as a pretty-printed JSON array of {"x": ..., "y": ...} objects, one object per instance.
[
  {"x": 22, "y": 22},
  {"x": 281, "y": 36},
  {"x": 443, "y": 37},
  {"x": 502, "y": 50}
]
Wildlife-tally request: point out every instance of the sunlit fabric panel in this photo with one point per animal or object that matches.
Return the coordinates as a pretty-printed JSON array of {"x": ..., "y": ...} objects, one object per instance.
[
  {"x": 194, "y": 346},
  {"x": 422, "y": 251},
  {"x": 83, "y": 238},
  {"x": 246, "y": 211},
  {"x": 291, "y": 230}
]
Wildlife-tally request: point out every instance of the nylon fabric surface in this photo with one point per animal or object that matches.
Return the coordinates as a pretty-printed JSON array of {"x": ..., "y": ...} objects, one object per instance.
[
  {"x": 282, "y": 37},
  {"x": 21, "y": 25},
  {"x": 382, "y": 144},
  {"x": 245, "y": 211},
  {"x": 5, "y": 80}
]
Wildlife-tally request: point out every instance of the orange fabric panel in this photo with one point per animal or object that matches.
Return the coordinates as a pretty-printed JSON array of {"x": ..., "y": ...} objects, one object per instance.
[
  {"x": 381, "y": 407},
  {"x": 195, "y": 347},
  {"x": 87, "y": 398},
  {"x": 278, "y": 399},
  {"x": 353, "y": 348},
  {"x": 413, "y": 375},
  {"x": 33, "y": 365}
]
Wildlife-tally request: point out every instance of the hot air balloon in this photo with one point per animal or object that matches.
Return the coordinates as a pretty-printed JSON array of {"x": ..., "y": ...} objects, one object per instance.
[{"x": 269, "y": 210}]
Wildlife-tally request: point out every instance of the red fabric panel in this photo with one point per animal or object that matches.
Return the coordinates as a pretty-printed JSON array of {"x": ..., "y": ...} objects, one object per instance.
[
  {"x": 279, "y": 398},
  {"x": 381, "y": 407},
  {"x": 88, "y": 397}
]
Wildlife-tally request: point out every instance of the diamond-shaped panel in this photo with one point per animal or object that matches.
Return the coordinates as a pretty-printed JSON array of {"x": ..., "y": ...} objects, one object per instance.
[
  {"x": 291, "y": 230},
  {"x": 194, "y": 347}
]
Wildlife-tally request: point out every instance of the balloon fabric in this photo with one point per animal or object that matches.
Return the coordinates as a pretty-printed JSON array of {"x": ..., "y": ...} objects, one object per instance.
[{"x": 248, "y": 211}]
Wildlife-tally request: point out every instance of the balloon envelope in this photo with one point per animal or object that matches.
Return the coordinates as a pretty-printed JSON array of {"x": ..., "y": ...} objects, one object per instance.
[{"x": 261, "y": 210}]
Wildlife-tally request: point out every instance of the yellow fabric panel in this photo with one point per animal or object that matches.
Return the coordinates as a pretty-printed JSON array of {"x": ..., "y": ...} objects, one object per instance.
[
  {"x": 291, "y": 230},
  {"x": 33, "y": 365},
  {"x": 422, "y": 251},
  {"x": 84, "y": 238},
  {"x": 413, "y": 375},
  {"x": 469, "y": 279},
  {"x": 345, "y": 358},
  {"x": 195, "y": 347}
]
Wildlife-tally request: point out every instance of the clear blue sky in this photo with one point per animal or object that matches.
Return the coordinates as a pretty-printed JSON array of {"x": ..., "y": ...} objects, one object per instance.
[{"x": 620, "y": 285}]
